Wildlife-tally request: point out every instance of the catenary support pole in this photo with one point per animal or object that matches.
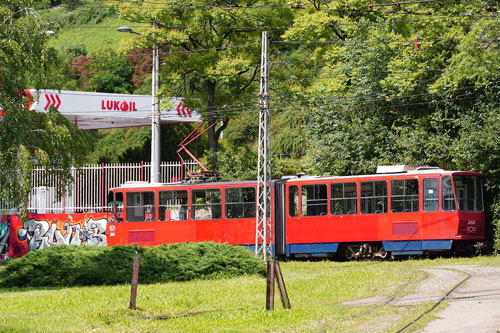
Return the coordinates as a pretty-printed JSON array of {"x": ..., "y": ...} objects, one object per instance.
[
  {"x": 155, "y": 125},
  {"x": 263, "y": 229}
]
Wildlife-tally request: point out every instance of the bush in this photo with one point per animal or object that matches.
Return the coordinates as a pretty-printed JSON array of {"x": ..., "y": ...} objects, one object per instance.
[
  {"x": 493, "y": 235},
  {"x": 70, "y": 265}
]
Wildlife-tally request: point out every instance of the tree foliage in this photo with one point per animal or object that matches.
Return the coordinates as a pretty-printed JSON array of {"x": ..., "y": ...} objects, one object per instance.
[
  {"x": 416, "y": 84},
  {"x": 215, "y": 53},
  {"x": 29, "y": 138}
]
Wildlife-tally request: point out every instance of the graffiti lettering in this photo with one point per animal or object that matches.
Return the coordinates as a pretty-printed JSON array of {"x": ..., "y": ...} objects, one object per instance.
[
  {"x": 4, "y": 238},
  {"x": 39, "y": 234}
]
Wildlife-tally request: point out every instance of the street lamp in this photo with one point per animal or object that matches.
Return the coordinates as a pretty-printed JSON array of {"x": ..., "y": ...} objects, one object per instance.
[
  {"x": 155, "y": 124},
  {"x": 49, "y": 33}
]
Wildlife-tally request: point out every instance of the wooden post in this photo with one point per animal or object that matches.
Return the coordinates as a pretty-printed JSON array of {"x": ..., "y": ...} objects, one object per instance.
[
  {"x": 281, "y": 285},
  {"x": 135, "y": 281},
  {"x": 274, "y": 272},
  {"x": 270, "y": 285}
]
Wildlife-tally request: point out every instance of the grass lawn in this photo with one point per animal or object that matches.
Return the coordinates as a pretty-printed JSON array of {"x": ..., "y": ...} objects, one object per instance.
[
  {"x": 316, "y": 291},
  {"x": 94, "y": 37}
]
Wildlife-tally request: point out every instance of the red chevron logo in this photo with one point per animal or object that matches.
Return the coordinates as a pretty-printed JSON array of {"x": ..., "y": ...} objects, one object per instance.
[
  {"x": 183, "y": 111},
  {"x": 52, "y": 101}
]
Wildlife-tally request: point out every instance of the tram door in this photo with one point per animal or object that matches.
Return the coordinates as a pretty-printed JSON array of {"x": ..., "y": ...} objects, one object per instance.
[
  {"x": 461, "y": 197},
  {"x": 279, "y": 218}
]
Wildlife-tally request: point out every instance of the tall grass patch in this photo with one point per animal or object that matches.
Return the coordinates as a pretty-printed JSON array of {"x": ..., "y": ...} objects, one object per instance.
[{"x": 70, "y": 265}]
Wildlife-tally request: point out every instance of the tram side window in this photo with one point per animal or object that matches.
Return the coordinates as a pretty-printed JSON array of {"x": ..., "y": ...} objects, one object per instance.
[
  {"x": 404, "y": 195},
  {"x": 448, "y": 198},
  {"x": 374, "y": 197},
  {"x": 240, "y": 203},
  {"x": 468, "y": 190},
  {"x": 173, "y": 205},
  {"x": 344, "y": 199},
  {"x": 115, "y": 204},
  {"x": 431, "y": 194},
  {"x": 293, "y": 201},
  {"x": 140, "y": 206},
  {"x": 206, "y": 204},
  {"x": 314, "y": 200},
  {"x": 119, "y": 206}
]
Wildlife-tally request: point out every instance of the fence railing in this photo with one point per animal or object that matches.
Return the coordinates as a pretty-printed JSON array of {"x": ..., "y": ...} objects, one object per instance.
[{"x": 90, "y": 187}]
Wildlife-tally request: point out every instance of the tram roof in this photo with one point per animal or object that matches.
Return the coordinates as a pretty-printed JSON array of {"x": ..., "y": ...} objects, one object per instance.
[
  {"x": 382, "y": 172},
  {"x": 142, "y": 184}
]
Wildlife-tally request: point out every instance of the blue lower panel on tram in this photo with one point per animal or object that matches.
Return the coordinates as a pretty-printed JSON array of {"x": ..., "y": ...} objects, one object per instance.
[
  {"x": 417, "y": 246},
  {"x": 315, "y": 249}
]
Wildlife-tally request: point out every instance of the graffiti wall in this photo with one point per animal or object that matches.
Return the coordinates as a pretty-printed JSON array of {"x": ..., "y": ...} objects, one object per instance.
[
  {"x": 4, "y": 236},
  {"x": 41, "y": 230}
]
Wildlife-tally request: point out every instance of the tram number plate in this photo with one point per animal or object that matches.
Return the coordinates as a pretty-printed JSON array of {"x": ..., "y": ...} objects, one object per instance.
[{"x": 471, "y": 226}]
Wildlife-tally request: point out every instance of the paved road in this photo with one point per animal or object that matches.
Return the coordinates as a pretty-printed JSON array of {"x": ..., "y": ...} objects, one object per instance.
[{"x": 474, "y": 306}]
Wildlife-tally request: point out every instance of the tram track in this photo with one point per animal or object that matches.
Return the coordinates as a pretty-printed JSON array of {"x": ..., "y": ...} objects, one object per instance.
[
  {"x": 384, "y": 303},
  {"x": 395, "y": 299},
  {"x": 439, "y": 302}
]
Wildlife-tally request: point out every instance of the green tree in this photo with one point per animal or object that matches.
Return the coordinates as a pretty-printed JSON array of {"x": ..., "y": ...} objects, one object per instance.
[
  {"x": 374, "y": 97},
  {"x": 380, "y": 98},
  {"x": 215, "y": 51},
  {"x": 107, "y": 78},
  {"x": 29, "y": 138}
]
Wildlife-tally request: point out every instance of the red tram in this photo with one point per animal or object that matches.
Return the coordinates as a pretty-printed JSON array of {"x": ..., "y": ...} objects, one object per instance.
[{"x": 398, "y": 211}]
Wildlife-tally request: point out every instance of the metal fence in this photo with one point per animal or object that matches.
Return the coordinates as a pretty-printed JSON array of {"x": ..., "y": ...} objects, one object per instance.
[{"x": 90, "y": 187}]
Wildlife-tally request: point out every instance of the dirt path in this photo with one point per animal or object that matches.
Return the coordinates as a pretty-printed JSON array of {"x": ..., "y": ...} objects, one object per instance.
[{"x": 472, "y": 307}]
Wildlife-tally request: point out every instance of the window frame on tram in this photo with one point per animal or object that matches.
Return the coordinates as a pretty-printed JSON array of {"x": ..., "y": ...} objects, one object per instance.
[
  {"x": 467, "y": 200},
  {"x": 209, "y": 206},
  {"x": 430, "y": 194},
  {"x": 148, "y": 208},
  {"x": 246, "y": 202},
  {"x": 341, "y": 200},
  {"x": 316, "y": 201},
  {"x": 115, "y": 204},
  {"x": 447, "y": 194},
  {"x": 405, "y": 195},
  {"x": 176, "y": 205},
  {"x": 375, "y": 197},
  {"x": 293, "y": 201}
]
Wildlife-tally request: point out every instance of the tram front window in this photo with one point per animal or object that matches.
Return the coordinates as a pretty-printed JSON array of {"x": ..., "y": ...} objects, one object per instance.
[{"x": 469, "y": 193}]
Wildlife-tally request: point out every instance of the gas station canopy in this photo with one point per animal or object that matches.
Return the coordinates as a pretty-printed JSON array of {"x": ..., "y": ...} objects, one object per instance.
[{"x": 92, "y": 110}]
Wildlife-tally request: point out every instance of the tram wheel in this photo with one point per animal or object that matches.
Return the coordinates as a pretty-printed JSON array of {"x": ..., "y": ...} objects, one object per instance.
[
  {"x": 350, "y": 254},
  {"x": 383, "y": 254}
]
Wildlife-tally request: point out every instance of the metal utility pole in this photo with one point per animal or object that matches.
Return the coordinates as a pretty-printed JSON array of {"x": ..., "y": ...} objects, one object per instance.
[
  {"x": 155, "y": 109},
  {"x": 155, "y": 124},
  {"x": 263, "y": 229}
]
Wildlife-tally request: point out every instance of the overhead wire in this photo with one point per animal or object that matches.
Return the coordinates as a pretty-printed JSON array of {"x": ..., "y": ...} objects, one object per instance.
[
  {"x": 272, "y": 42},
  {"x": 492, "y": 15},
  {"x": 193, "y": 6},
  {"x": 365, "y": 42},
  {"x": 220, "y": 48}
]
